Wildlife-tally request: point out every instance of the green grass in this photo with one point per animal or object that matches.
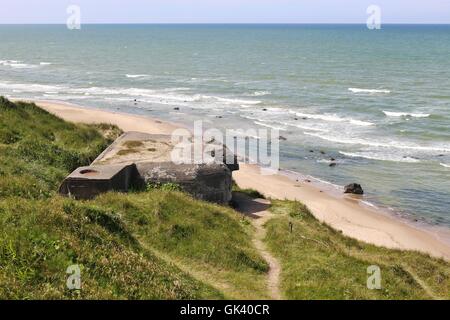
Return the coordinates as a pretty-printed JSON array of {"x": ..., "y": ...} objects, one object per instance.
[
  {"x": 320, "y": 263},
  {"x": 152, "y": 244},
  {"x": 159, "y": 243}
]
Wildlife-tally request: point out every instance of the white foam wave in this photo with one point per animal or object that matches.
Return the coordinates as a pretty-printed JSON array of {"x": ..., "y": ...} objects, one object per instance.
[
  {"x": 16, "y": 64},
  {"x": 361, "y": 123},
  {"x": 136, "y": 75},
  {"x": 391, "y": 144},
  {"x": 359, "y": 90},
  {"x": 45, "y": 63},
  {"x": 301, "y": 126},
  {"x": 406, "y": 114},
  {"x": 370, "y": 204},
  {"x": 234, "y": 101},
  {"x": 270, "y": 126},
  {"x": 333, "y": 118},
  {"x": 261, "y": 93},
  {"x": 28, "y": 87},
  {"x": 445, "y": 165},
  {"x": 379, "y": 156}
]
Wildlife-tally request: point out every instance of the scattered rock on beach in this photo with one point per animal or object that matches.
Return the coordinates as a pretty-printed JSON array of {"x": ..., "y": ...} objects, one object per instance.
[{"x": 354, "y": 188}]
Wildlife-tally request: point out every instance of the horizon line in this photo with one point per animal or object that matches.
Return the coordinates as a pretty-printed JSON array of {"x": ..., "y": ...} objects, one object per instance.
[{"x": 230, "y": 23}]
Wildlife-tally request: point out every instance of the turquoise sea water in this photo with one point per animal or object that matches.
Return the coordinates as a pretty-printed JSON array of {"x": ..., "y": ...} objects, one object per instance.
[{"x": 378, "y": 101}]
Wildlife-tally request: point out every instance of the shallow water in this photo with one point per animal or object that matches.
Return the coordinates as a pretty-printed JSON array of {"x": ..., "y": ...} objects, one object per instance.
[{"x": 376, "y": 101}]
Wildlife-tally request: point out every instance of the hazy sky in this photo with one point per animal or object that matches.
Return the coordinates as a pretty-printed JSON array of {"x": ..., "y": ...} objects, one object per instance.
[{"x": 224, "y": 11}]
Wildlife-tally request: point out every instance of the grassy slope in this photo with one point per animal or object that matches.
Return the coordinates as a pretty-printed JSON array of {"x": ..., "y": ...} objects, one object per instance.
[
  {"x": 161, "y": 243},
  {"x": 320, "y": 263},
  {"x": 155, "y": 244}
]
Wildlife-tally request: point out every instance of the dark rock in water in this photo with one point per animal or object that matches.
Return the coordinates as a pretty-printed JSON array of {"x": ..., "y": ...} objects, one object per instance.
[
  {"x": 333, "y": 164},
  {"x": 440, "y": 155},
  {"x": 295, "y": 118},
  {"x": 311, "y": 151},
  {"x": 307, "y": 180},
  {"x": 304, "y": 118},
  {"x": 354, "y": 188},
  {"x": 176, "y": 108},
  {"x": 219, "y": 117},
  {"x": 322, "y": 152},
  {"x": 282, "y": 138},
  {"x": 264, "y": 109},
  {"x": 332, "y": 159}
]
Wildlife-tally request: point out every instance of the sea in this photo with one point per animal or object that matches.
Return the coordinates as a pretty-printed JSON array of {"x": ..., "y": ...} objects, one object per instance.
[{"x": 375, "y": 101}]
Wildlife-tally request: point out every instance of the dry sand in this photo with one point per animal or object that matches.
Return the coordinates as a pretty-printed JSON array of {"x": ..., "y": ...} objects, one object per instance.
[{"x": 342, "y": 213}]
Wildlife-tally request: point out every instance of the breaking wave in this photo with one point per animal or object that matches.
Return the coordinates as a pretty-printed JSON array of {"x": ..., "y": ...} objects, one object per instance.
[
  {"x": 333, "y": 118},
  {"x": 381, "y": 157},
  {"x": 359, "y": 90},
  {"x": 136, "y": 75},
  {"x": 393, "y": 144},
  {"x": 406, "y": 114}
]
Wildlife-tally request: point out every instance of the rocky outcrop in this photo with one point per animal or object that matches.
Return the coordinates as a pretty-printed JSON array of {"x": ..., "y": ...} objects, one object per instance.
[{"x": 353, "y": 188}]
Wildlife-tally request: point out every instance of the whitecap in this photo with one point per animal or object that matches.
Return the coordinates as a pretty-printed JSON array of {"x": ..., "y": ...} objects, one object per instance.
[
  {"x": 445, "y": 165},
  {"x": 361, "y": 123},
  {"x": 392, "y": 144},
  {"x": 261, "y": 93},
  {"x": 333, "y": 118},
  {"x": 270, "y": 126},
  {"x": 136, "y": 75},
  {"x": 234, "y": 101},
  {"x": 359, "y": 90},
  {"x": 406, "y": 114},
  {"x": 27, "y": 87},
  {"x": 22, "y": 66},
  {"x": 380, "y": 156}
]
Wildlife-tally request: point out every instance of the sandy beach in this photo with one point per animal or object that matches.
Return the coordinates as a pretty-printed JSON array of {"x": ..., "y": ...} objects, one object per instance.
[{"x": 344, "y": 213}]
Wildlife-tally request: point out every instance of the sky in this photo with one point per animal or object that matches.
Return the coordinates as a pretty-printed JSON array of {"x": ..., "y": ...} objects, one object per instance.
[{"x": 224, "y": 11}]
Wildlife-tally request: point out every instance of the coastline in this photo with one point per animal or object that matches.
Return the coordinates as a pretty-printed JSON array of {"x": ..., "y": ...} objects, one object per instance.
[{"x": 345, "y": 213}]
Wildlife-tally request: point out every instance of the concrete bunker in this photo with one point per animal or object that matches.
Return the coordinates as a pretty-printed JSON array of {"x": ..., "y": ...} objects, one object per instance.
[{"x": 136, "y": 159}]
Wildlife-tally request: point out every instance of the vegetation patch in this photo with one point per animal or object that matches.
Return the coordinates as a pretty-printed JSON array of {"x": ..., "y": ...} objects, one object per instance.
[{"x": 321, "y": 263}]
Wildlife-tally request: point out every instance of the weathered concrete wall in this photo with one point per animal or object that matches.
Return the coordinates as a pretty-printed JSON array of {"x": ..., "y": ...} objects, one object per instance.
[
  {"x": 138, "y": 158},
  {"x": 209, "y": 182},
  {"x": 88, "y": 182}
]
